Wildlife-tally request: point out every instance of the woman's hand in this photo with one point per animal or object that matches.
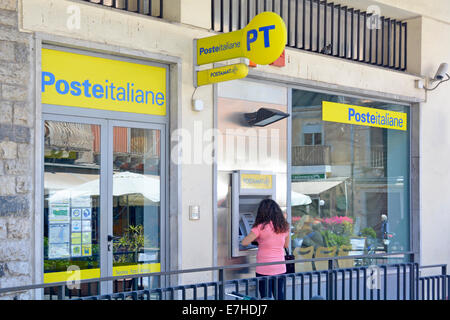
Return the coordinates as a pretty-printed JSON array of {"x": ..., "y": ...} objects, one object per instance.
[{"x": 248, "y": 239}]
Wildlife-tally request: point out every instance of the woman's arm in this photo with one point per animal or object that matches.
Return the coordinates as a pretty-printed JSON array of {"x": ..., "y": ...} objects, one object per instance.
[
  {"x": 248, "y": 239},
  {"x": 286, "y": 242}
]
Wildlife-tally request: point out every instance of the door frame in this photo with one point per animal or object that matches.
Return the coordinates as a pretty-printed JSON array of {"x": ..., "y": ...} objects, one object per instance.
[
  {"x": 106, "y": 173},
  {"x": 108, "y": 219}
]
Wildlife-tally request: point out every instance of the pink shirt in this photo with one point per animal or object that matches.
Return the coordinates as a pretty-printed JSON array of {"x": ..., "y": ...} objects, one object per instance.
[{"x": 270, "y": 249}]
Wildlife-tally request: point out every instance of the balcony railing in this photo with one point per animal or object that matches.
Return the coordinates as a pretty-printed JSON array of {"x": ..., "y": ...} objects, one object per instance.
[
  {"x": 324, "y": 27},
  {"x": 146, "y": 7},
  {"x": 318, "y": 155},
  {"x": 399, "y": 281}
]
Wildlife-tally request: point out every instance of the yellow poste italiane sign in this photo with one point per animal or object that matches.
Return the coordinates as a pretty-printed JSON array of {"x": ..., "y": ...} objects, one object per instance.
[
  {"x": 345, "y": 113},
  {"x": 256, "y": 181},
  {"x": 262, "y": 41},
  {"x": 231, "y": 72},
  {"x": 77, "y": 80}
]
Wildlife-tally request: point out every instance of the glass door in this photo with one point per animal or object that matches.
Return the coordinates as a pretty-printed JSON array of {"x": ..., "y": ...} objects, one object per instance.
[
  {"x": 103, "y": 203},
  {"x": 74, "y": 164},
  {"x": 136, "y": 189}
]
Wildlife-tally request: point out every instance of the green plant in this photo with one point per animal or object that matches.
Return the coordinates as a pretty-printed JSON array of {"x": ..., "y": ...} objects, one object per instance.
[
  {"x": 369, "y": 233},
  {"x": 332, "y": 239},
  {"x": 129, "y": 245}
]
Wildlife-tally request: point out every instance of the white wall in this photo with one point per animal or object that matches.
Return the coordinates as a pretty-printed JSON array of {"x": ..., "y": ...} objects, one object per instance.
[{"x": 435, "y": 148}]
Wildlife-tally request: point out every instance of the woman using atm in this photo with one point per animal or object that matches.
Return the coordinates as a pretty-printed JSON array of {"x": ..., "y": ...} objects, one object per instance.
[{"x": 271, "y": 231}]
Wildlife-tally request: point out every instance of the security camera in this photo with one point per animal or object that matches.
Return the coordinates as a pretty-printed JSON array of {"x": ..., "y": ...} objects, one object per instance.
[
  {"x": 439, "y": 77},
  {"x": 441, "y": 72}
]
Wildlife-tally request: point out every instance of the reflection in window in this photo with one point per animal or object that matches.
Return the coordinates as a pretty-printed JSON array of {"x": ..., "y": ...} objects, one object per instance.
[
  {"x": 356, "y": 178},
  {"x": 71, "y": 201}
]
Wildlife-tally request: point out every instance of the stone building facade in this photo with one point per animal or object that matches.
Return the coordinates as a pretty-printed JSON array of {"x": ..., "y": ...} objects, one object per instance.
[{"x": 16, "y": 150}]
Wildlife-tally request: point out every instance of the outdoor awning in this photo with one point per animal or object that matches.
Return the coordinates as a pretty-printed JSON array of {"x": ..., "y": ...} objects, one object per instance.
[
  {"x": 315, "y": 187},
  {"x": 64, "y": 180},
  {"x": 124, "y": 183}
]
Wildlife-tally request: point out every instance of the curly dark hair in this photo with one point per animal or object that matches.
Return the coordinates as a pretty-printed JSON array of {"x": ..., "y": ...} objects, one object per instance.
[{"x": 268, "y": 211}]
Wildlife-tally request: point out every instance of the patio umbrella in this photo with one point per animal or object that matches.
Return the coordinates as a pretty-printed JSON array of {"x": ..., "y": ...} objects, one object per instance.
[
  {"x": 124, "y": 183},
  {"x": 299, "y": 199}
]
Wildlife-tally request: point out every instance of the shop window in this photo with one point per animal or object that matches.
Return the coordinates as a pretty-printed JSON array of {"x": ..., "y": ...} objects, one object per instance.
[{"x": 356, "y": 178}]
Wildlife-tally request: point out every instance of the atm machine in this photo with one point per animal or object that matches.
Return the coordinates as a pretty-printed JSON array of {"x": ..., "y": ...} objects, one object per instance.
[{"x": 248, "y": 188}]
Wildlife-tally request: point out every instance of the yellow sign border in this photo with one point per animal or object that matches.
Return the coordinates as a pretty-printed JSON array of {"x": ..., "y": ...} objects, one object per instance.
[{"x": 84, "y": 274}]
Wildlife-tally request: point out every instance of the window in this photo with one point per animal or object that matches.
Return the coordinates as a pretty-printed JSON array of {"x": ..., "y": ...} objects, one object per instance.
[{"x": 353, "y": 179}]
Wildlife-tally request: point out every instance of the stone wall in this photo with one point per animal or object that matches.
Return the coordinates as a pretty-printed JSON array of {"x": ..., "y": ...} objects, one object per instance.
[{"x": 16, "y": 152}]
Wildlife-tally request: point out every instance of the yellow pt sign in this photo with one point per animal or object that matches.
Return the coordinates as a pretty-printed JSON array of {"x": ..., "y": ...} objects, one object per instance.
[{"x": 262, "y": 41}]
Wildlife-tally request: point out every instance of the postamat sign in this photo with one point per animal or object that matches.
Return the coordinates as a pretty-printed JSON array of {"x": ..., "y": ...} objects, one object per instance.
[{"x": 262, "y": 41}]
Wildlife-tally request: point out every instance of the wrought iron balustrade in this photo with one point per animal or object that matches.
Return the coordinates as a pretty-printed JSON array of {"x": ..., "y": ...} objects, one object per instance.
[{"x": 324, "y": 27}]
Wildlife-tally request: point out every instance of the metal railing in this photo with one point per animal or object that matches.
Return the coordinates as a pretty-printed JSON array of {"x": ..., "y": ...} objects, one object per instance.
[
  {"x": 145, "y": 7},
  {"x": 324, "y": 27},
  {"x": 311, "y": 155},
  {"x": 399, "y": 281}
]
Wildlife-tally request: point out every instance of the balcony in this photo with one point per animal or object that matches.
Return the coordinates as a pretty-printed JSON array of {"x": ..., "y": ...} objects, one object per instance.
[
  {"x": 318, "y": 155},
  {"x": 324, "y": 28}
]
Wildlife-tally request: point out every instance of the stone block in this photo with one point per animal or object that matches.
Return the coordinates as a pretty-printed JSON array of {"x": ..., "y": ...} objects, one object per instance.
[
  {"x": 18, "y": 205},
  {"x": 15, "y": 133},
  {"x": 6, "y": 113},
  {"x": 24, "y": 184},
  {"x": 8, "y": 282},
  {"x": 10, "y": 5},
  {"x": 24, "y": 151},
  {"x": 19, "y": 229},
  {"x": 22, "y": 53},
  {"x": 17, "y": 167},
  {"x": 14, "y": 93},
  {"x": 7, "y": 50},
  {"x": 13, "y": 73},
  {"x": 15, "y": 250},
  {"x": 18, "y": 268},
  {"x": 7, "y": 185},
  {"x": 3, "y": 229},
  {"x": 8, "y": 150},
  {"x": 22, "y": 115}
]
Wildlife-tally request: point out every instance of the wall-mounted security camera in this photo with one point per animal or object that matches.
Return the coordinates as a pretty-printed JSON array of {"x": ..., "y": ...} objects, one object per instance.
[{"x": 441, "y": 74}]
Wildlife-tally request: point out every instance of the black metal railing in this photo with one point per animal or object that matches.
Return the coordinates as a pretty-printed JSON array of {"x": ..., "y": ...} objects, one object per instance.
[
  {"x": 324, "y": 27},
  {"x": 146, "y": 7},
  {"x": 399, "y": 281}
]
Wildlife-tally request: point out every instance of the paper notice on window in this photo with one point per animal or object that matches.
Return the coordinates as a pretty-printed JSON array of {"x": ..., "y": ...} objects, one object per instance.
[
  {"x": 59, "y": 233},
  {"x": 86, "y": 213},
  {"x": 58, "y": 251},
  {"x": 59, "y": 214},
  {"x": 86, "y": 226},
  {"x": 76, "y": 251},
  {"x": 86, "y": 250}
]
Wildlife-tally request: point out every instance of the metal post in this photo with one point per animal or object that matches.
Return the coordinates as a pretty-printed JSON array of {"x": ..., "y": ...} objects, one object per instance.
[
  {"x": 444, "y": 284},
  {"x": 330, "y": 280},
  {"x": 221, "y": 284}
]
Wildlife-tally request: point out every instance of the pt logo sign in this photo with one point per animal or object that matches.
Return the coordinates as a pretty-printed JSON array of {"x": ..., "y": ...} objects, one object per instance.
[{"x": 262, "y": 41}]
